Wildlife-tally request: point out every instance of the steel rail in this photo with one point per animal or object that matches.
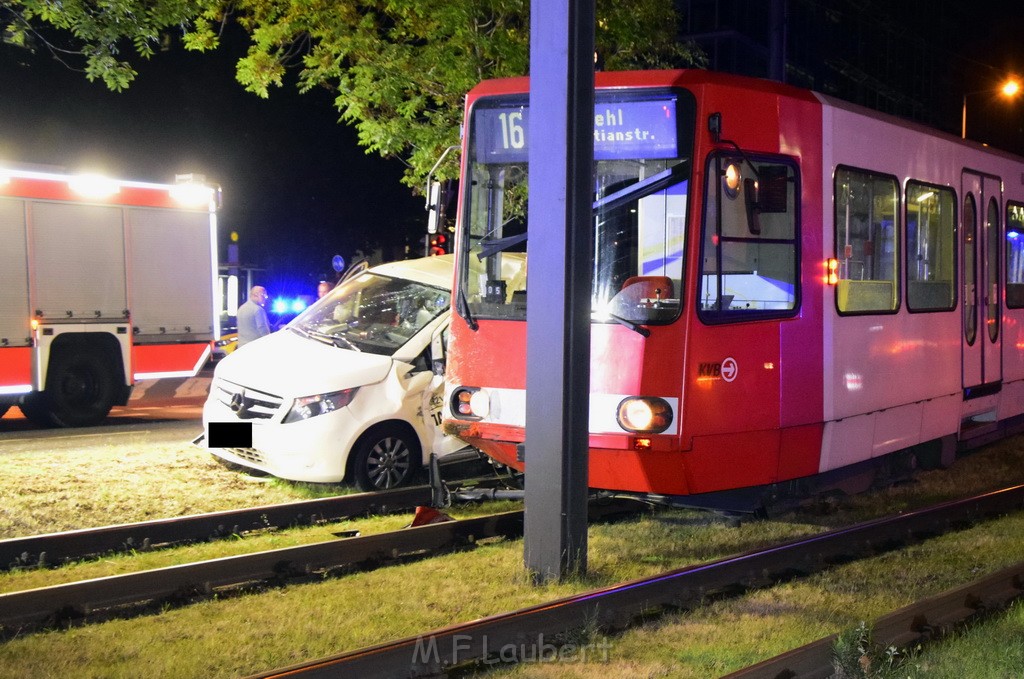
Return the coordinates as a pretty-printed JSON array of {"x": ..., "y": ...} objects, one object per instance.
[
  {"x": 56, "y": 548},
  {"x": 60, "y": 604},
  {"x": 534, "y": 632},
  {"x": 923, "y": 621},
  {"x": 103, "y": 597}
]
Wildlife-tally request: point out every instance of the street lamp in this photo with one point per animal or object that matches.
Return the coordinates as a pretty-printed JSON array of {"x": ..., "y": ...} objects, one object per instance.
[{"x": 1009, "y": 89}]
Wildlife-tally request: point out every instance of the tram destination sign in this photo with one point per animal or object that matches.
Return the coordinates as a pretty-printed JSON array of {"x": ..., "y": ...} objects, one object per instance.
[{"x": 629, "y": 128}]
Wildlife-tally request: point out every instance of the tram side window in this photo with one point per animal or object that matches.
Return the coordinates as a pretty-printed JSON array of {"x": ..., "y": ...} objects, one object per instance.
[
  {"x": 1014, "y": 255},
  {"x": 931, "y": 251},
  {"x": 749, "y": 262},
  {"x": 867, "y": 228}
]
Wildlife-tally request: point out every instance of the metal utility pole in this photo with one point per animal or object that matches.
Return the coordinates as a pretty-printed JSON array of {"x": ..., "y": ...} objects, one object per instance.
[
  {"x": 777, "y": 40},
  {"x": 558, "y": 314}
]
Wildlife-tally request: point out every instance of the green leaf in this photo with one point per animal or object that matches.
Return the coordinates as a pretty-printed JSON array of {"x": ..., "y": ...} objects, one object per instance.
[{"x": 400, "y": 68}]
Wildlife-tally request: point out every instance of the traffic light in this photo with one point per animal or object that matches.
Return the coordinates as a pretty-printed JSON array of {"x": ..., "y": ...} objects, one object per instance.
[{"x": 438, "y": 244}]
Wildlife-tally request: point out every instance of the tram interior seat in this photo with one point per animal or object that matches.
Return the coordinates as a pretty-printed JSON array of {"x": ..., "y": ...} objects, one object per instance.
[
  {"x": 647, "y": 289},
  {"x": 639, "y": 293},
  {"x": 930, "y": 294},
  {"x": 1015, "y": 294},
  {"x": 865, "y": 295}
]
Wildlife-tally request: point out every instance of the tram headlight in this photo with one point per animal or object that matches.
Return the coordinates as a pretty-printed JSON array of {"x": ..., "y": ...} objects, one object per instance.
[
  {"x": 470, "y": 403},
  {"x": 320, "y": 404},
  {"x": 644, "y": 414}
]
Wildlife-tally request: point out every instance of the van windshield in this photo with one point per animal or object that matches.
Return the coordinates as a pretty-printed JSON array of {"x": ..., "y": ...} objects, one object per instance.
[{"x": 372, "y": 313}]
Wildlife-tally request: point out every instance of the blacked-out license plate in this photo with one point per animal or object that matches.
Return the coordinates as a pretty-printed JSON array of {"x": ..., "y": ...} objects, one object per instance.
[{"x": 229, "y": 435}]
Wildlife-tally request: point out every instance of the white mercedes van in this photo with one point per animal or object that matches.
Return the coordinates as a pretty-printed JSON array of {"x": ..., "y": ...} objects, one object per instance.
[{"x": 347, "y": 389}]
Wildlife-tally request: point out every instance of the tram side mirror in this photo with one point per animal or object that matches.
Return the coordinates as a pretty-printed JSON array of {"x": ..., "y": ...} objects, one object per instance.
[
  {"x": 753, "y": 206},
  {"x": 715, "y": 126},
  {"x": 435, "y": 207},
  {"x": 768, "y": 194}
]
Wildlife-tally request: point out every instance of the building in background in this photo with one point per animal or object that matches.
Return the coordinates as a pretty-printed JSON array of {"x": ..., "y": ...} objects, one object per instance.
[{"x": 915, "y": 59}]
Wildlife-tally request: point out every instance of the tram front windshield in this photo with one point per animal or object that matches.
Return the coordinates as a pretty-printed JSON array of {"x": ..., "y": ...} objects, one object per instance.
[{"x": 643, "y": 145}]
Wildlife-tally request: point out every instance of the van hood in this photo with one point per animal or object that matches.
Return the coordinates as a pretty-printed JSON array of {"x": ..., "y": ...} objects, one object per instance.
[{"x": 287, "y": 364}]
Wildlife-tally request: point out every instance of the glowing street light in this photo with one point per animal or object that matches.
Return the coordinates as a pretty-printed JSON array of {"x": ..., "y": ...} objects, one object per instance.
[{"x": 1009, "y": 89}]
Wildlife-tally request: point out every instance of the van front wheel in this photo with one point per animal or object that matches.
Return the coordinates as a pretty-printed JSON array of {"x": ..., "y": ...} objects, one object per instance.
[{"x": 385, "y": 457}]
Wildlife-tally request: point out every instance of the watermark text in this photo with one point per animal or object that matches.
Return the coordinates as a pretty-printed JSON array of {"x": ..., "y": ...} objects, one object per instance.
[{"x": 462, "y": 648}]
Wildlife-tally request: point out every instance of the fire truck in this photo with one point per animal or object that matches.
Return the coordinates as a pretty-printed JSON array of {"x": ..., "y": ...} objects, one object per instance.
[{"x": 102, "y": 283}]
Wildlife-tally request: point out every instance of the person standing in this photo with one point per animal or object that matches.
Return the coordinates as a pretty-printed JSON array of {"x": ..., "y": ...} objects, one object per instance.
[{"x": 252, "y": 317}]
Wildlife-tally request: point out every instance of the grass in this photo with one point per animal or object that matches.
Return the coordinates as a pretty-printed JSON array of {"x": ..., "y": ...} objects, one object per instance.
[
  {"x": 256, "y": 632},
  {"x": 990, "y": 650},
  {"x": 857, "y": 655},
  {"x": 131, "y": 562},
  {"x": 112, "y": 483},
  {"x": 731, "y": 634},
  {"x": 250, "y": 633}
]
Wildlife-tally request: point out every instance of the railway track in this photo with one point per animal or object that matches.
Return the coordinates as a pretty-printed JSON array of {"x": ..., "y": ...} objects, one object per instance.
[
  {"x": 56, "y": 548},
  {"x": 102, "y": 598},
  {"x": 529, "y": 632},
  {"x": 923, "y": 621}
]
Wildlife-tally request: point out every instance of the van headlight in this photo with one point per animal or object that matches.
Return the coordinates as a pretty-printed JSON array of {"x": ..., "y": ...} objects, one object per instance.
[{"x": 311, "y": 406}]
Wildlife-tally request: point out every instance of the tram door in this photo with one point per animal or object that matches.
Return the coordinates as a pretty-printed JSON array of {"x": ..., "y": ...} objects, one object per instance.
[{"x": 981, "y": 303}]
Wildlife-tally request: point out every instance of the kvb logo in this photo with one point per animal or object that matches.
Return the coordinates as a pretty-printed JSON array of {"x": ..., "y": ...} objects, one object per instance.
[
  {"x": 727, "y": 370},
  {"x": 709, "y": 370},
  {"x": 730, "y": 369}
]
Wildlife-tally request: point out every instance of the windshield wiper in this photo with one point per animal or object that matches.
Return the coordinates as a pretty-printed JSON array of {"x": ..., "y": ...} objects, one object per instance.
[
  {"x": 463, "y": 305},
  {"x": 635, "y": 327},
  {"x": 493, "y": 247},
  {"x": 645, "y": 187},
  {"x": 337, "y": 340}
]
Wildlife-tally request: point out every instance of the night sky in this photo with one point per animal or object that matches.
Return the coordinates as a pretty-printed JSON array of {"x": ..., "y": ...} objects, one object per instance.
[
  {"x": 299, "y": 190},
  {"x": 296, "y": 187}
]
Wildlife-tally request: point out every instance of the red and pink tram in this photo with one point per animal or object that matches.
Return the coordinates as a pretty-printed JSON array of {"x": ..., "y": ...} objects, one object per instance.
[{"x": 786, "y": 288}]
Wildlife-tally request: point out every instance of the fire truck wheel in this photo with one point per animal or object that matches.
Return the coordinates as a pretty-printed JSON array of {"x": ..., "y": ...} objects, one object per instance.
[
  {"x": 387, "y": 456},
  {"x": 80, "y": 389}
]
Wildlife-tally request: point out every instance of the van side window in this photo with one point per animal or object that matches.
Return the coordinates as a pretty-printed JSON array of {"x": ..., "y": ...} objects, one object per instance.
[
  {"x": 931, "y": 247},
  {"x": 867, "y": 241},
  {"x": 422, "y": 361}
]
